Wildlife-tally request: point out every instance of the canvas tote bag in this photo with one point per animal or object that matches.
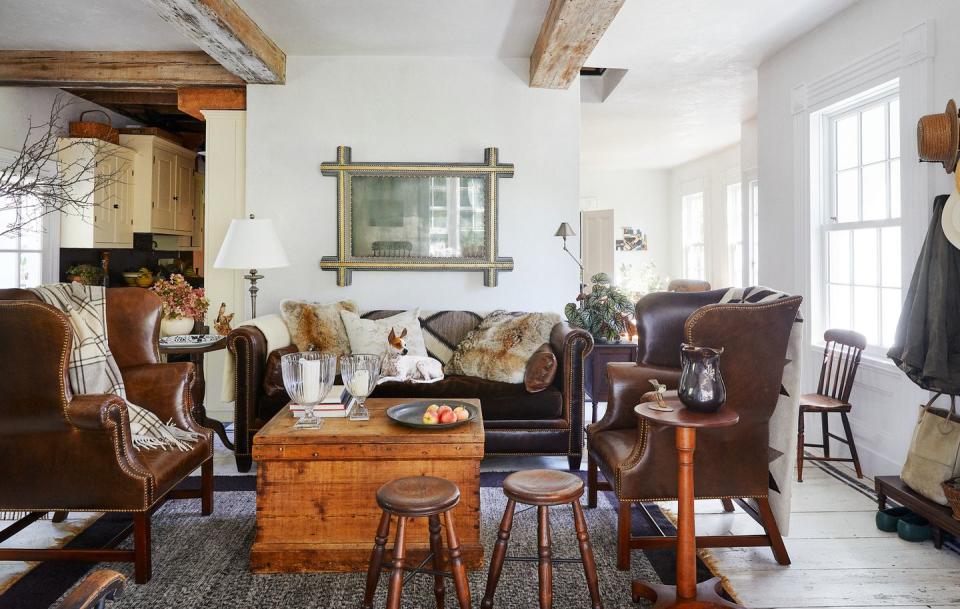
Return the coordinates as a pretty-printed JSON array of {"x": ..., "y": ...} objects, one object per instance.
[{"x": 934, "y": 454}]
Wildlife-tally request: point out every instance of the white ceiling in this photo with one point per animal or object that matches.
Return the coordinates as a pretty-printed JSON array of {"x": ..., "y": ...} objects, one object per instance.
[
  {"x": 98, "y": 25},
  {"x": 692, "y": 64},
  {"x": 692, "y": 76},
  {"x": 481, "y": 28}
]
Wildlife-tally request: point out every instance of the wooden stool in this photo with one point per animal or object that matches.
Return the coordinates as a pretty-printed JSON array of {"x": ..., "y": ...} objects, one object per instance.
[
  {"x": 417, "y": 497},
  {"x": 543, "y": 488}
]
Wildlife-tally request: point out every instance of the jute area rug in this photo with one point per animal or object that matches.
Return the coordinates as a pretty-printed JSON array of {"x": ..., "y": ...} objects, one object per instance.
[{"x": 202, "y": 563}]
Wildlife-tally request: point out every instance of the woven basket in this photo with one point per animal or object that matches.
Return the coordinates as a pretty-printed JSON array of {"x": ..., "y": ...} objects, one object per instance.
[
  {"x": 100, "y": 131},
  {"x": 953, "y": 496}
]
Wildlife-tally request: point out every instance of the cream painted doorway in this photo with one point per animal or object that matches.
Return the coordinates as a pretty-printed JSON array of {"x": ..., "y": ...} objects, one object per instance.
[{"x": 596, "y": 243}]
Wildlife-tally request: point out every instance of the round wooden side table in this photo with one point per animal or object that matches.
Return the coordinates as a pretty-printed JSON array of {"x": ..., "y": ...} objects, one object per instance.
[
  {"x": 195, "y": 354},
  {"x": 686, "y": 594}
]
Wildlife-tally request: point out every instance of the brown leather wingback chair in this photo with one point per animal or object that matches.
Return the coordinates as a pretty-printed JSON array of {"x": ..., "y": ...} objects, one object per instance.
[
  {"x": 61, "y": 452},
  {"x": 639, "y": 461},
  {"x": 94, "y": 591}
]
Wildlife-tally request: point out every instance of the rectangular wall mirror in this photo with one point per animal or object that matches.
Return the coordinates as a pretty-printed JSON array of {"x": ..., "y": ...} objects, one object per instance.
[{"x": 416, "y": 216}]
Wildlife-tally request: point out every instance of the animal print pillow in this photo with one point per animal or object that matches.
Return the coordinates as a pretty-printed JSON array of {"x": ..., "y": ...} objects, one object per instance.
[
  {"x": 317, "y": 327},
  {"x": 498, "y": 349},
  {"x": 370, "y": 335}
]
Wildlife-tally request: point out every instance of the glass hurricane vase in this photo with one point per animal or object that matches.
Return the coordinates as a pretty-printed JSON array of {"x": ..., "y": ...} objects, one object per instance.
[
  {"x": 360, "y": 373},
  {"x": 308, "y": 377}
]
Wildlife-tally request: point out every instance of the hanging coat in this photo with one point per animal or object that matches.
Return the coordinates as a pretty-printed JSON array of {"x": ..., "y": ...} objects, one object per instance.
[{"x": 927, "y": 343}]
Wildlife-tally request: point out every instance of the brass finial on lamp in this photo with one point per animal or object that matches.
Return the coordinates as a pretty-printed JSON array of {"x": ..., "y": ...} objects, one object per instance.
[{"x": 251, "y": 244}]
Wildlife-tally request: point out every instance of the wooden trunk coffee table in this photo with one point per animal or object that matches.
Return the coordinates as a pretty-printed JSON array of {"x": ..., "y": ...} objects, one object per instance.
[{"x": 316, "y": 489}]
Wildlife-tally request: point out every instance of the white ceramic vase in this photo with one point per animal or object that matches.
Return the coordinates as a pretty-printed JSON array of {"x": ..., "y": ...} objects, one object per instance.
[{"x": 176, "y": 327}]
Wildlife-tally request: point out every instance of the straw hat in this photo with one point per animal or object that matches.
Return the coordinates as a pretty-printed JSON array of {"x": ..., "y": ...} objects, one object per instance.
[{"x": 938, "y": 137}]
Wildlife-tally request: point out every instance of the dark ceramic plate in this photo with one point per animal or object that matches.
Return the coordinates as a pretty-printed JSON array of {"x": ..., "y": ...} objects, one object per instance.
[{"x": 411, "y": 414}]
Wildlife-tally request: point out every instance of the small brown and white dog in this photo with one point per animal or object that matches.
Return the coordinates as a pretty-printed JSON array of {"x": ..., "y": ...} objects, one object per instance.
[{"x": 398, "y": 366}]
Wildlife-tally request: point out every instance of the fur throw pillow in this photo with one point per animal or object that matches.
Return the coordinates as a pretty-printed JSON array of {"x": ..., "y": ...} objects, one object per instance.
[
  {"x": 498, "y": 348},
  {"x": 317, "y": 327}
]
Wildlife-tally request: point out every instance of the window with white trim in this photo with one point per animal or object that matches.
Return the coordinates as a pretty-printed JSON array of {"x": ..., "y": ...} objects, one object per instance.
[
  {"x": 21, "y": 251},
  {"x": 734, "y": 235},
  {"x": 860, "y": 227},
  {"x": 694, "y": 266}
]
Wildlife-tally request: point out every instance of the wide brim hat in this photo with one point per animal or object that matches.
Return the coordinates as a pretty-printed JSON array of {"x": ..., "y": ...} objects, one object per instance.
[{"x": 938, "y": 137}]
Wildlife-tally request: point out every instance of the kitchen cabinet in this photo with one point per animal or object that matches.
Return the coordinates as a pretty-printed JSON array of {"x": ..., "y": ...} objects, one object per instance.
[
  {"x": 194, "y": 241},
  {"x": 109, "y": 185},
  {"x": 164, "y": 194}
]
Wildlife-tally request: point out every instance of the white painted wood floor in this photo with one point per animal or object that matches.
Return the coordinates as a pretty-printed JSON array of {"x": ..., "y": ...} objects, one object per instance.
[{"x": 840, "y": 559}]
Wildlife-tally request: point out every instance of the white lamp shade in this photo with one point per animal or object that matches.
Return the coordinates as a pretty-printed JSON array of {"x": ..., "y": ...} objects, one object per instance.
[{"x": 251, "y": 244}]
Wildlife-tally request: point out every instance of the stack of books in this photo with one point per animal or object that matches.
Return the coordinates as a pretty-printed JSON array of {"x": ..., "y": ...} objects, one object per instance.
[{"x": 338, "y": 403}]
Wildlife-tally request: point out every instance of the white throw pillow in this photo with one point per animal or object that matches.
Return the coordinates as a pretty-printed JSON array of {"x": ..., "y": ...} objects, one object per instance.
[{"x": 370, "y": 335}]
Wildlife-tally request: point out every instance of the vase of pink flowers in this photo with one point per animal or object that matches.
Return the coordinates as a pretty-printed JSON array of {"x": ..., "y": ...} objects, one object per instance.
[{"x": 182, "y": 305}]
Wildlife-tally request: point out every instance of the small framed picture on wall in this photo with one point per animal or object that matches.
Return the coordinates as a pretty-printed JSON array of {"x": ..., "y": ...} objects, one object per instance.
[{"x": 634, "y": 240}]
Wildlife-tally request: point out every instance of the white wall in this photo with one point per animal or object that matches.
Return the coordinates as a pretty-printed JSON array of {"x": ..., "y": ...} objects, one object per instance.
[
  {"x": 884, "y": 400},
  {"x": 640, "y": 199},
  {"x": 19, "y": 105},
  {"x": 415, "y": 109},
  {"x": 749, "y": 155},
  {"x": 711, "y": 174}
]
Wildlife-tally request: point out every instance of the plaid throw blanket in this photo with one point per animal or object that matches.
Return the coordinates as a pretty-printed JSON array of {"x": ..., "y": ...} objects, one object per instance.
[
  {"x": 92, "y": 368},
  {"x": 783, "y": 423}
]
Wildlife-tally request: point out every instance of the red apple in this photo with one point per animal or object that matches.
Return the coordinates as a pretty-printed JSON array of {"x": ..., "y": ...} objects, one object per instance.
[
  {"x": 462, "y": 413},
  {"x": 444, "y": 409},
  {"x": 447, "y": 417},
  {"x": 433, "y": 408}
]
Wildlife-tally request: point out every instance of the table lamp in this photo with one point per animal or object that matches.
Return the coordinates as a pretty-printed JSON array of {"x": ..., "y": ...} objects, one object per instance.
[{"x": 251, "y": 244}]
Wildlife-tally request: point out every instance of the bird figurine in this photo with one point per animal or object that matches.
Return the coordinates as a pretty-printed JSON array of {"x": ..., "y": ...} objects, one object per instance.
[
  {"x": 222, "y": 324},
  {"x": 658, "y": 390}
]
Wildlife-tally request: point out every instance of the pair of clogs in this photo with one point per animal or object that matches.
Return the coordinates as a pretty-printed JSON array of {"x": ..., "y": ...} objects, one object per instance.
[{"x": 903, "y": 522}]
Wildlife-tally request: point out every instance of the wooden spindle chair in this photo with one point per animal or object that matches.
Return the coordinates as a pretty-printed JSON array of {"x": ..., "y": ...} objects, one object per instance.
[{"x": 841, "y": 358}]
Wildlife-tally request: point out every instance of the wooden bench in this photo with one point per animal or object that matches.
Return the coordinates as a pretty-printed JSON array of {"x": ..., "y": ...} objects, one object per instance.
[{"x": 940, "y": 516}]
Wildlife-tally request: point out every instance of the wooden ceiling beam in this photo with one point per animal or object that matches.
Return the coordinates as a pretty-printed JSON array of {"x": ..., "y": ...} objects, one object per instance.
[
  {"x": 194, "y": 100},
  {"x": 113, "y": 69},
  {"x": 227, "y": 34},
  {"x": 570, "y": 31},
  {"x": 127, "y": 97}
]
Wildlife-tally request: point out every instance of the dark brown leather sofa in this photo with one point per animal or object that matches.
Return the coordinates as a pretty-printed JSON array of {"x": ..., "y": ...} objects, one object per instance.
[
  {"x": 639, "y": 461},
  {"x": 516, "y": 422},
  {"x": 61, "y": 452}
]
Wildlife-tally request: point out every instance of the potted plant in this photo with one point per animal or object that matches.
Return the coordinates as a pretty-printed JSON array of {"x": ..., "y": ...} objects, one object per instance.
[
  {"x": 87, "y": 274},
  {"x": 182, "y": 305},
  {"x": 604, "y": 312}
]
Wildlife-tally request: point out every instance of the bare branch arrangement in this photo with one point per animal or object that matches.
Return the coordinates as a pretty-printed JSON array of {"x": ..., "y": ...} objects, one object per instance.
[{"x": 51, "y": 174}]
